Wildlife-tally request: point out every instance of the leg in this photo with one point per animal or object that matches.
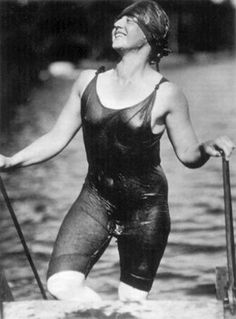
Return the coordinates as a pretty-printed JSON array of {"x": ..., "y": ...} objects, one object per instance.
[
  {"x": 70, "y": 285},
  {"x": 129, "y": 293},
  {"x": 141, "y": 247},
  {"x": 83, "y": 237}
]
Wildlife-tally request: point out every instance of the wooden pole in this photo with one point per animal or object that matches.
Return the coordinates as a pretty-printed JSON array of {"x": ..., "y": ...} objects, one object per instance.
[
  {"x": 230, "y": 245},
  {"x": 22, "y": 239}
]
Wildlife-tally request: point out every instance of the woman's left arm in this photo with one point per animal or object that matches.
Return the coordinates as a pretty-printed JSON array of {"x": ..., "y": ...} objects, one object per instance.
[{"x": 188, "y": 149}]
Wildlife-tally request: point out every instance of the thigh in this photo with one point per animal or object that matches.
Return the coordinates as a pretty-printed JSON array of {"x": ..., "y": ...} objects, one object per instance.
[
  {"x": 83, "y": 235},
  {"x": 142, "y": 244}
]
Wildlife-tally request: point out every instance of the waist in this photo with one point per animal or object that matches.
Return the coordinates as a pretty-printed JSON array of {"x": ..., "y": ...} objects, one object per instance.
[
  {"x": 119, "y": 185},
  {"x": 128, "y": 158}
]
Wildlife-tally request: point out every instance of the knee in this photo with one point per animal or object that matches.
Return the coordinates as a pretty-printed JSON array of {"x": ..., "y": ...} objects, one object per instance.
[
  {"x": 65, "y": 285},
  {"x": 131, "y": 294}
]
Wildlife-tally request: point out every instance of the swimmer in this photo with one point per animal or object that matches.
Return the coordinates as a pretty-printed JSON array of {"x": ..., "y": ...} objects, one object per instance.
[{"x": 123, "y": 113}]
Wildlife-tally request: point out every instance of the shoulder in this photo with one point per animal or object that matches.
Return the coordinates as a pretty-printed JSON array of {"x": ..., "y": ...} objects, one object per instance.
[
  {"x": 84, "y": 78},
  {"x": 168, "y": 91},
  {"x": 172, "y": 97}
]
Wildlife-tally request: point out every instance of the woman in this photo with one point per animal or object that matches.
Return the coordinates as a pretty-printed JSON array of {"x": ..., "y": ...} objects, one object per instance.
[{"x": 123, "y": 113}]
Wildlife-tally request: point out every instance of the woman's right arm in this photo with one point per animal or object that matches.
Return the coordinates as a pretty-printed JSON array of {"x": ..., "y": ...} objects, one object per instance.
[{"x": 53, "y": 142}]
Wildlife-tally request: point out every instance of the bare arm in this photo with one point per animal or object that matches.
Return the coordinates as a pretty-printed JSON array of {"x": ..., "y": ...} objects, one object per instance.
[
  {"x": 53, "y": 142},
  {"x": 188, "y": 149}
]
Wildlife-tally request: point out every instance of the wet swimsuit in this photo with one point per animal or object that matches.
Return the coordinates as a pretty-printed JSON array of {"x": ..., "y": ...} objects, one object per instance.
[{"x": 124, "y": 194}]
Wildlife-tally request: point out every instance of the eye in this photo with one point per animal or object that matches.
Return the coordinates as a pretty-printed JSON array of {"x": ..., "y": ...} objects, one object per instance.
[{"x": 130, "y": 20}]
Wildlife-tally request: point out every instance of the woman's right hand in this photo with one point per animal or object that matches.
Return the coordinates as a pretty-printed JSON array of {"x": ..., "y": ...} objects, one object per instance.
[{"x": 4, "y": 163}]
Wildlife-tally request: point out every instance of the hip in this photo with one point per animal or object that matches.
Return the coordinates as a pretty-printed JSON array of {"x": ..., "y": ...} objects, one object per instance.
[{"x": 129, "y": 189}]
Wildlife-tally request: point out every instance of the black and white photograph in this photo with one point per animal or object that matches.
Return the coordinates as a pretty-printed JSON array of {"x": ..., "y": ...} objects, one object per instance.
[{"x": 117, "y": 159}]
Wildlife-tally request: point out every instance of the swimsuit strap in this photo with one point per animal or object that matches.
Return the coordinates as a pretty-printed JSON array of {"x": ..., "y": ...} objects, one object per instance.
[
  {"x": 153, "y": 96},
  {"x": 163, "y": 79},
  {"x": 101, "y": 69}
]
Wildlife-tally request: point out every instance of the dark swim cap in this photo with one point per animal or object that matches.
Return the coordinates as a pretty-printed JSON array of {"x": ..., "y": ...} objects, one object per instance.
[{"x": 154, "y": 23}]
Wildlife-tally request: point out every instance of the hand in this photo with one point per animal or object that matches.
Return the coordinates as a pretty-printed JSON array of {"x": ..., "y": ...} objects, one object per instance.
[
  {"x": 4, "y": 163},
  {"x": 219, "y": 145}
]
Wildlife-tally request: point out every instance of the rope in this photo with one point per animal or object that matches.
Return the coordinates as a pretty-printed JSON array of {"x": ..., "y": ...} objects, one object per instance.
[{"x": 22, "y": 239}]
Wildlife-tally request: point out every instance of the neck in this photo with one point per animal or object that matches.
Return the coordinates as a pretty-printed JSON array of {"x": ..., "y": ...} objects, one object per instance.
[{"x": 131, "y": 67}]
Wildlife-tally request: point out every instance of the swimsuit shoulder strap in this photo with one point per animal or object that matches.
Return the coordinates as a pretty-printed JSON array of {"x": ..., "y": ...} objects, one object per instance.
[
  {"x": 101, "y": 69},
  {"x": 150, "y": 105},
  {"x": 91, "y": 85},
  {"x": 163, "y": 79}
]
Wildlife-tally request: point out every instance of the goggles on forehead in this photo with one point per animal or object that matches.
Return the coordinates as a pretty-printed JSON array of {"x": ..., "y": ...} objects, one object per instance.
[{"x": 150, "y": 35}]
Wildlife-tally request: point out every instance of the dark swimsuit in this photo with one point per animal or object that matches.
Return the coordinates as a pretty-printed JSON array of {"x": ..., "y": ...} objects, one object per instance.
[{"x": 124, "y": 194}]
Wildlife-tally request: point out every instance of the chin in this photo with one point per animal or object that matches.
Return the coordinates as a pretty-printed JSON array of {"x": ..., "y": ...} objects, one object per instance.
[{"x": 118, "y": 47}]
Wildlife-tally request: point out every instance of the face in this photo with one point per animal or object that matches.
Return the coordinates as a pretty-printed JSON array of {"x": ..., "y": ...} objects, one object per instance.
[{"x": 126, "y": 34}]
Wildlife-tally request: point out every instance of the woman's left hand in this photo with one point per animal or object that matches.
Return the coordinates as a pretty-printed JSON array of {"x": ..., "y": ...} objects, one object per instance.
[{"x": 216, "y": 147}]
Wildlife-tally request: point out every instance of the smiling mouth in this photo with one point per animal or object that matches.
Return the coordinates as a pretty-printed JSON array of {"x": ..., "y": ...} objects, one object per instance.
[{"x": 119, "y": 34}]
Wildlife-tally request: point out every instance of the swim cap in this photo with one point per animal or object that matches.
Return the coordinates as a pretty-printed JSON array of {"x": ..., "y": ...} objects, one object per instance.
[{"x": 154, "y": 23}]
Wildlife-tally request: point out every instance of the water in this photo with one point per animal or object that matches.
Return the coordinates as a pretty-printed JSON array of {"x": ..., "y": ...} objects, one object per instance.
[{"x": 41, "y": 195}]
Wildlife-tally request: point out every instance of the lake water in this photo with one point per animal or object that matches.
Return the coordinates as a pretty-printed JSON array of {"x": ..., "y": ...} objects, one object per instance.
[{"x": 41, "y": 195}]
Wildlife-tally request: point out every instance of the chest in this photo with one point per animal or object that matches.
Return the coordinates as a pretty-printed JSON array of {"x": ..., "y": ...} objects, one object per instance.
[
  {"x": 120, "y": 96},
  {"x": 95, "y": 113}
]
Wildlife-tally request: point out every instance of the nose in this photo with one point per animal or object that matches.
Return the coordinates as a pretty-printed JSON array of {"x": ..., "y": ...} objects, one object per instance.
[{"x": 120, "y": 23}]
